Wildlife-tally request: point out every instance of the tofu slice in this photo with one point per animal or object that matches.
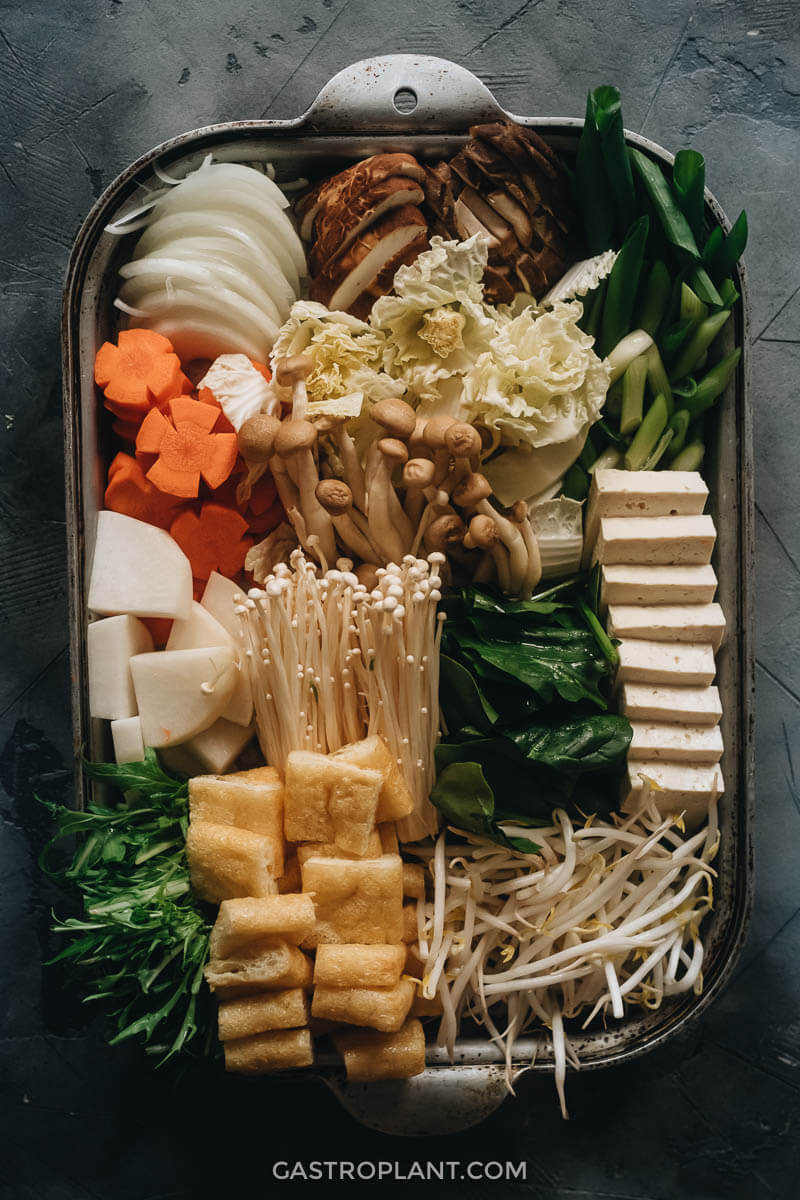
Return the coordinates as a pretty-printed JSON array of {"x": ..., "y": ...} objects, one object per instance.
[
  {"x": 668, "y": 622},
  {"x": 330, "y": 800},
  {"x": 269, "y": 965},
  {"x": 383, "y": 1008},
  {"x": 642, "y": 661},
  {"x": 677, "y": 788},
  {"x": 264, "y": 1053},
  {"x": 624, "y": 584},
  {"x": 369, "y": 1055},
  {"x": 359, "y": 966},
  {"x": 673, "y": 541},
  {"x": 247, "y": 1015},
  {"x": 395, "y": 800},
  {"x": 356, "y": 901},
  {"x": 675, "y": 742},
  {"x": 616, "y": 493},
  {"x": 256, "y": 805},
  {"x": 226, "y": 863},
  {"x": 649, "y": 702},
  {"x": 248, "y": 919}
]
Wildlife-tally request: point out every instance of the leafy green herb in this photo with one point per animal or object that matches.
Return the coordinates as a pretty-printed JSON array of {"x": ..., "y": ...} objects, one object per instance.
[
  {"x": 523, "y": 689},
  {"x": 689, "y": 181},
  {"x": 142, "y": 940}
]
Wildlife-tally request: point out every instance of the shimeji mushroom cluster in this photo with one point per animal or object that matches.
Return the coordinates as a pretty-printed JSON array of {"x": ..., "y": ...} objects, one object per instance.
[
  {"x": 603, "y": 916},
  {"x": 332, "y": 661},
  {"x": 419, "y": 490}
]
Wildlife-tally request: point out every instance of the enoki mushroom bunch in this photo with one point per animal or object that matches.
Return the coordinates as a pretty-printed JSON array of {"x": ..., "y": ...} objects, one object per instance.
[
  {"x": 332, "y": 662},
  {"x": 603, "y": 916},
  {"x": 419, "y": 489}
]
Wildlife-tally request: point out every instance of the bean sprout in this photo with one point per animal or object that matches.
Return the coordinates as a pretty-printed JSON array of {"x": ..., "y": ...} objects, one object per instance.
[{"x": 600, "y": 918}]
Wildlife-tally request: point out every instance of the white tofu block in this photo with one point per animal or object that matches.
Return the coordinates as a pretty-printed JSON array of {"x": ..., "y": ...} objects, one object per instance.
[
  {"x": 655, "y": 540},
  {"x": 692, "y": 705},
  {"x": 615, "y": 493},
  {"x": 126, "y": 735},
  {"x": 675, "y": 742},
  {"x": 676, "y": 788},
  {"x": 137, "y": 568},
  {"x": 201, "y": 628},
  {"x": 110, "y": 645},
  {"x": 623, "y": 584},
  {"x": 668, "y": 622},
  {"x": 665, "y": 662}
]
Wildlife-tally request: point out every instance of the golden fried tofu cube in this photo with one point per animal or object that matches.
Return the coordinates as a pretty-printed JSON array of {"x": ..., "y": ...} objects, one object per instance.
[
  {"x": 225, "y": 862},
  {"x": 369, "y": 1055},
  {"x": 359, "y": 900},
  {"x": 379, "y": 1008},
  {"x": 413, "y": 964},
  {"x": 246, "y": 1015},
  {"x": 395, "y": 800},
  {"x": 263, "y": 966},
  {"x": 331, "y": 850},
  {"x": 289, "y": 917},
  {"x": 256, "y": 775},
  {"x": 329, "y": 801},
  {"x": 426, "y": 1008},
  {"x": 410, "y": 931},
  {"x": 290, "y": 880},
  {"x": 388, "y": 835},
  {"x": 237, "y": 800},
  {"x": 284, "y": 1050},
  {"x": 414, "y": 881},
  {"x": 358, "y": 965}
]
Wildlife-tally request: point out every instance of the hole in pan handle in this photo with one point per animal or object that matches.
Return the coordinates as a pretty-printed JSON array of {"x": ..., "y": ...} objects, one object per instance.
[{"x": 401, "y": 92}]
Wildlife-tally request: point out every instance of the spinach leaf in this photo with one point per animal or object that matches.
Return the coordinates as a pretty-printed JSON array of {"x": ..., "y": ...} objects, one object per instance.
[{"x": 466, "y": 800}]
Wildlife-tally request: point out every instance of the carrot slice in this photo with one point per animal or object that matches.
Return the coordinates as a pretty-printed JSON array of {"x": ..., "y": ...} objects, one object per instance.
[
  {"x": 131, "y": 493},
  {"x": 212, "y": 540},
  {"x": 223, "y": 425},
  {"x": 262, "y": 370},
  {"x": 186, "y": 449}
]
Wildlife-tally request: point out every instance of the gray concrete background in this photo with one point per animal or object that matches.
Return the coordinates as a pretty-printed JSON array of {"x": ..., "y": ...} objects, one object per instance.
[{"x": 85, "y": 87}]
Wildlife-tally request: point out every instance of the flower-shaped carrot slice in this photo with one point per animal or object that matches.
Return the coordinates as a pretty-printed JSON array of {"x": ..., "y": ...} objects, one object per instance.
[
  {"x": 140, "y": 371},
  {"x": 212, "y": 540},
  {"x": 129, "y": 492},
  {"x": 186, "y": 449}
]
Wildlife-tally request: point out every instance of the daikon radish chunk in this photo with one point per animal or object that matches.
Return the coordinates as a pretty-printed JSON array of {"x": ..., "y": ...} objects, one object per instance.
[
  {"x": 110, "y": 645},
  {"x": 138, "y": 569},
  {"x": 127, "y": 737},
  {"x": 182, "y": 692},
  {"x": 215, "y": 750},
  {"x": 200, "y": 629},
  {"x": 220, "y": 598}
]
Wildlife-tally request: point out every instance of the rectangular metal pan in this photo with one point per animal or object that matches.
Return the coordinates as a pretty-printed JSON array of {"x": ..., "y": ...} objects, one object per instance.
[{"x": 357, "y": 114}]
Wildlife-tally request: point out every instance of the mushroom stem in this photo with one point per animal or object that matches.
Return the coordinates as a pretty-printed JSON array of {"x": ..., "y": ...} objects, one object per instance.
[
  {"x": 353, "y": 471},
  {"x": 473, "y": 493},
  {"x": 389, "y": 527},
  {"x": 484, "y": 572},
  {"x": 294, "y": 442},
  {"x": 337, "y": 500},
  {"x": 519, "y": 514},
  {"x": 293, "y": 372}
]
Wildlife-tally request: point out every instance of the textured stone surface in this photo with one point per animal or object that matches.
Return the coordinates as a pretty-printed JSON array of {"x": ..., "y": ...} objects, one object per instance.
[{"x": 85, "y": 87}]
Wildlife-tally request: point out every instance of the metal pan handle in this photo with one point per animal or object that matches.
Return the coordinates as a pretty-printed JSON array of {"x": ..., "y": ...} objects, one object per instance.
[
  {"x": 440, "y": 1101},
  {"x": 401, "y": 93}
]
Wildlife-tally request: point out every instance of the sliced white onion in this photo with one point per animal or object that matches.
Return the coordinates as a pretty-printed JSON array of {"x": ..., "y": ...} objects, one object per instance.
[
  {"x": 216, "y": 304},
  {"x": 195, "y": 335},
  {"x": 217, "y": 222},
  {"x": 183, "y": 268},
  {"x": 239, "y": 205},
  {"x": 209, "y": 176},
  {"x": 230, "y": 245}
]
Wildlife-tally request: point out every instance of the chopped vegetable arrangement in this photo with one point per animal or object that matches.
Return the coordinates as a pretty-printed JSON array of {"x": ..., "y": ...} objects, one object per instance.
[{"x": 402, "y": 604}]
